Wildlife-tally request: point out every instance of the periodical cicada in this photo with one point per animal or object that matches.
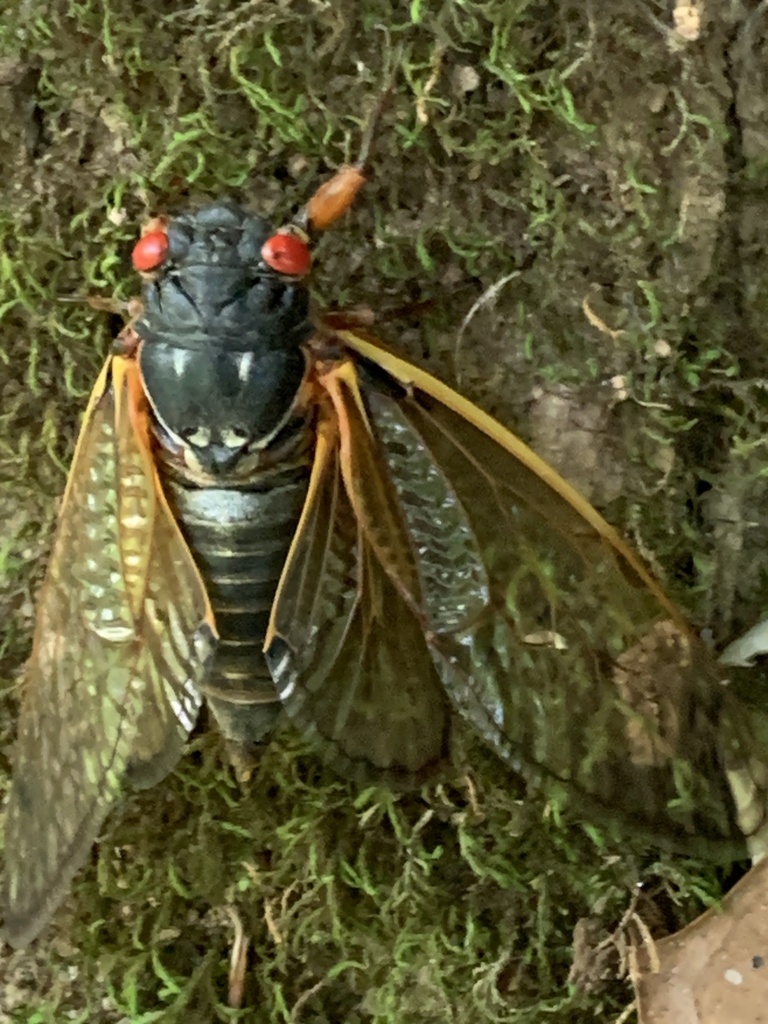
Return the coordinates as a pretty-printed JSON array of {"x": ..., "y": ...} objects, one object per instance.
[{"x": 272, "y": 512}]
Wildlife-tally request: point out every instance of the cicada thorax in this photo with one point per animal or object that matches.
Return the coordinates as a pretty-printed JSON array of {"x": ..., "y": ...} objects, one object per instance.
[{"x": 222, "y": 363}]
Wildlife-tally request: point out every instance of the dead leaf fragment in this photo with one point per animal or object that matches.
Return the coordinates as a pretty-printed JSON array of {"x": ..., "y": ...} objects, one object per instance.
[
  {"x": 715, "y": 971},
  {"x": 687, "y": 19}
]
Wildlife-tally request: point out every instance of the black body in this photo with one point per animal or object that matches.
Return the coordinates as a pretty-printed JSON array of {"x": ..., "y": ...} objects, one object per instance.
[{"x": 222, "y": 364}]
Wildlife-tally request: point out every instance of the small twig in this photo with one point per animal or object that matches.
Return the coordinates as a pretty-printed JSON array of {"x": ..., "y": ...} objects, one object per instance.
[
  {"x": 271, "y": 924},
  {"x": 627, "y": 1012},
  {"x": 596, "y": 321},
  {"x": 373, "y": 120},
  {"x": 304, "y": 998},
  {"x": 650, "y": 946},
  {"x": 682, "y": 107},
  {"x": 488, "y": 296},
  {"x": 437, "y": 65},
  {"x": 651, "y": 405},
  {"x": 238, "y": 960},
  {"x": 588, "y": 47},
  {"x": 472, "y": 795}
]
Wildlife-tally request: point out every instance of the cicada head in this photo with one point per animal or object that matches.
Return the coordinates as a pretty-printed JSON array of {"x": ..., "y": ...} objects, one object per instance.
[
  {"x": 217, "y": 278},
  {"x": 226, "y": 310}
]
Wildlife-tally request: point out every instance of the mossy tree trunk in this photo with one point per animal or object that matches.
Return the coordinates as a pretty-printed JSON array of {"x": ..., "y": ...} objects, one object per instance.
[{"x": 568, "y": 218}]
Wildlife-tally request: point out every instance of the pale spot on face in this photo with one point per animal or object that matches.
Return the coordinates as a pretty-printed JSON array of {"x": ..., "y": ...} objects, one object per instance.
[
  {"x": 233, "y": 437},
  {"x": 244, "y": 366},
  {"x": 200, "y": 437}
]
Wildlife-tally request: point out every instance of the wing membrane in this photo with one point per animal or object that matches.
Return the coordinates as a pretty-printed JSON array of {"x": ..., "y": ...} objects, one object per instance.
[
  {"x": 123, "y": 637},
  {"x": 346, "y": 651},
  {"x": 555, "y": 642}
]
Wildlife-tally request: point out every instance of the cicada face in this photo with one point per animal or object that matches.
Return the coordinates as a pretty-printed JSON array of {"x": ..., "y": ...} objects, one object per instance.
[{"x": 273, "y": 513}]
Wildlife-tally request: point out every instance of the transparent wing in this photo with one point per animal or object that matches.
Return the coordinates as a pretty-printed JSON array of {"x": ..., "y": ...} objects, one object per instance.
[
  {"x": 346, "y": 651},
  {"x": 123, "y": 637},
  {"x": 549, "y": 635}
]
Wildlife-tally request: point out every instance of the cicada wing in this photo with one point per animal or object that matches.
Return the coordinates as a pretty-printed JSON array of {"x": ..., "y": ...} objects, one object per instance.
[
  {"x": 549, "y": 635},
  {"x": 123, "y": 637},
  {"x": 346, "y": 651}
]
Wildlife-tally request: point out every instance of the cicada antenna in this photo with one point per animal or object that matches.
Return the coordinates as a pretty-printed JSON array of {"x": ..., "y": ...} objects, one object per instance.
[{"x": 334, "y": 197}]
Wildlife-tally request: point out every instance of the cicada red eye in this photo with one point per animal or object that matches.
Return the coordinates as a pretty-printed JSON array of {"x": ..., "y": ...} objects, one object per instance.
[
  {"x": 150, "y": 251},
  {"x": 287, "y": 254}
]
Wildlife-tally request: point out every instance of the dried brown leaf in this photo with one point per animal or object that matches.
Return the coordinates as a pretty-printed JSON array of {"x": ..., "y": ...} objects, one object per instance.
[{"x": 715, "y": 971}]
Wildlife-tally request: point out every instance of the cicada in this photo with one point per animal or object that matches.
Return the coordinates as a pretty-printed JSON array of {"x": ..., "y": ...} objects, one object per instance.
[{"x": 272, "y": 512}]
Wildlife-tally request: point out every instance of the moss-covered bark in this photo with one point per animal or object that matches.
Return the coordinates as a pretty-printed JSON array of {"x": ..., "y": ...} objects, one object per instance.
[{"x": 621, "y": 169}]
